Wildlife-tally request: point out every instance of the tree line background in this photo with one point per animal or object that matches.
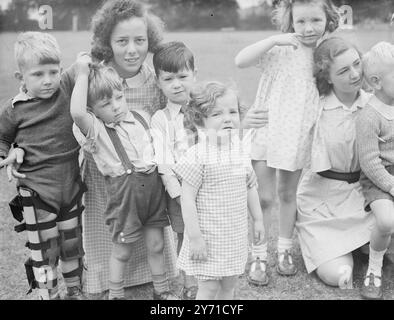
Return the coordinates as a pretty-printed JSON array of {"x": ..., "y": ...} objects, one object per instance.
[{"x": 180, "y": 14}]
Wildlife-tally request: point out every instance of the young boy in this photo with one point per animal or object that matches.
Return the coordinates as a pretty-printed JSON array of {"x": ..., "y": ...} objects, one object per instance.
[
  {"x": 121, "y": 146},
  {"x": 175, "y": 73},
  {"x": 375, "y": 137},
  {"x": 49, "y": 186}
]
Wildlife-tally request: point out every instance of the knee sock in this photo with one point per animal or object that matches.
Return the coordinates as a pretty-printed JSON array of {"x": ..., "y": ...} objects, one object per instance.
[
  {"x": 116, "y": 290},
  {"x": 160, "y": 282},
  {"x": 284, "y": 244},
  {"x": 259, "y": 251},
  {"x": 375, "y": 261}
]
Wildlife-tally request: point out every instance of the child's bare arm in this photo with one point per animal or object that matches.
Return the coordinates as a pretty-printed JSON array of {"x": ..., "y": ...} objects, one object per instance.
[
  {"x": 257, "y": 215},
  {"x": 78, "y": 105},
  {"x": 250, "y": 55},
  {"x": 198, "y": 250}
]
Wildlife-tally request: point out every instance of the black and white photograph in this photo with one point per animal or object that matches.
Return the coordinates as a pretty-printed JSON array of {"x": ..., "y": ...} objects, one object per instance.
[{"x": 214, "y": 150}]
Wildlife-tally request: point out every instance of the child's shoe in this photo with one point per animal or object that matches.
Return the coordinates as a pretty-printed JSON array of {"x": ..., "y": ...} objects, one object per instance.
[
  {"x": 370, "y": 290},
  {"x": 74, "y": 293},
  {"x": 258, "y": 273},
  {"x": 285, "y": 265},
  {"x": 166, "y": 295},
  {"x": 189, "y": 293}
]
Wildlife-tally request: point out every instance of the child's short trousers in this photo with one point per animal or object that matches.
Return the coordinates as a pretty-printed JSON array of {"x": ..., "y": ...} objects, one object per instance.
[
  {"x": 56, "y": 185},
  {"x": 135, "y": 201},
  {"x": 372, "y": 192},
  {"x": 175, "y": 214}
]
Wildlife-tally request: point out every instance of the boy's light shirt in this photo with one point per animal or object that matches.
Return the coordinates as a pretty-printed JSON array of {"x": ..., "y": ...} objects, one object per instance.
[
  {"x": 133, "y": 137},
  {"x": 21, "y": 96},
  {"x": 383, "y": 109},
  {"x": 168, "y": 152}
]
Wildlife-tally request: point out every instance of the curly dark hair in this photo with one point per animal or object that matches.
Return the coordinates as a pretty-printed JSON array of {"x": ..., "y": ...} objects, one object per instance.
[
  {"x": 323, "y": 57},
  {"x": 113, "y": 12}
]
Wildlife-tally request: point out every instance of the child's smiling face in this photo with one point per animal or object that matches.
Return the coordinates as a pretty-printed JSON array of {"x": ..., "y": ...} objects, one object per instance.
[
  {"x": 129, "y": 43},
  {"x": 224, "y": 116}
]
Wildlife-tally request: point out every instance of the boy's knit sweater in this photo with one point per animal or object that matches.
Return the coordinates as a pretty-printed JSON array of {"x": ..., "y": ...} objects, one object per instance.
[{"x": 375, "y": 140}]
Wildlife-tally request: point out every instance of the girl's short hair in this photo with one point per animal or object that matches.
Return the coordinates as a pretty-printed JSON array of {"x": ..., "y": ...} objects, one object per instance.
[
  {"x": 37, "y": 47},
  {"x": 378, "y": 59},
  {"x": 103, "y": 80},
  {"x": 113, "y": 12},
  {"x": 203, "y": 96},
  {"x": 282, "y": 15},
  {"x": 324, "y": 56}
]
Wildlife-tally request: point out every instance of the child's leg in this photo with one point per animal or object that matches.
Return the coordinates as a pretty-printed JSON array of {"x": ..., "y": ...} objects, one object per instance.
[
  {"x": 287, "y": 188},
  {"x": 120, "y": 255},
  {"x": 44, "y": 247},
  {"x": 227, "y": 287},
  {"x": 207, "y": 289},
  {"x": 154, "y": 239},
  {"x": 337, "y": 272},
  {"x": 266, "y": 179},
  {"x": 383, "y": 211},
  {"x": 71, "y": 251}
]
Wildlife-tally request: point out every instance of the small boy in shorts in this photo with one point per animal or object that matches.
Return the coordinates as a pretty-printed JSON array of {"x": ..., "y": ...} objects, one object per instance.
[
  {"x": 375, "y": 140},
  {"x": 121, "y": 145},
  {"x": 50, "y": 189},
  {"x": 174, "y": 67}
]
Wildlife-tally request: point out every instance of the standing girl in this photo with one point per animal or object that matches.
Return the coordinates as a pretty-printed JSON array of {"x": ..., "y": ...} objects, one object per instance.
[
  {"x": 287, "y": 90},
  {"x": 217, "y": 189},
  {"x": 123, "y": 34}
]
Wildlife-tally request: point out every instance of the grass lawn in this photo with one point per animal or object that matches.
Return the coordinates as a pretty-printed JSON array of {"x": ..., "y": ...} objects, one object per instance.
[{"x": 214, "y": 54}]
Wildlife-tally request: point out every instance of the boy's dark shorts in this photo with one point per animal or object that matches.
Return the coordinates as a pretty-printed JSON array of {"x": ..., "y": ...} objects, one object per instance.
[
  {"x": 134, "y": 202},
  {"x": 175, "y": 214},
  {"x": 372, "y": 192}
]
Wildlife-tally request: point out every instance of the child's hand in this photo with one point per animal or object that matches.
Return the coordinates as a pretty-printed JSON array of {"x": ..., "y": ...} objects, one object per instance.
[
  {"x": 258, "y": 228},
  {"x": 255, "y": 118},
  {"x": 198, "y": 249},
  {"x": 13, "y": 162},
  {"x": 82, "y": 64},
  {"x": 286, "y": 39}
]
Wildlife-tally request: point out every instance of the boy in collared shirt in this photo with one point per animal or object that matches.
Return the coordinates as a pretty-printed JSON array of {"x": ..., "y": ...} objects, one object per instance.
[
  {"x": 121, "y": 145},
  {"x": 174, "y": 67},
  {"x": 375, "y": 139},
  {"x": 49, "y": 186}
]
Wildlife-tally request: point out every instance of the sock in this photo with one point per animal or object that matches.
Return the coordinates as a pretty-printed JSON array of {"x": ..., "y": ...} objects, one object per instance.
[
  {"x": 284, "y": 244},
  {"x": 116, "y": 290},
  {"x": 259, "y": 251},
  {"x": 160, "y": 282},
  {"x": 375, "y": 265},
  {"x": 72, "y": 282}
]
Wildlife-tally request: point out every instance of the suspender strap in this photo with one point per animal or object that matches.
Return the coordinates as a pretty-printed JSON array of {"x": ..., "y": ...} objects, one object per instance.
[
  {"x": 128, "y": 166},
  {"x": 349, "y": 177},
  {"x": 144, "y": 123},
  {"x": 118, "y": 145}
]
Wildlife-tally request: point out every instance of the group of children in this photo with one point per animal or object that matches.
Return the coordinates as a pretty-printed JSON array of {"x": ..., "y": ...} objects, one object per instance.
[{"x": 182, "y": 163}]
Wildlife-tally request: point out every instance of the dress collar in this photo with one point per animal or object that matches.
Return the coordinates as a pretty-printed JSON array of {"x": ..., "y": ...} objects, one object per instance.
[{"x": 332, "y": 102}]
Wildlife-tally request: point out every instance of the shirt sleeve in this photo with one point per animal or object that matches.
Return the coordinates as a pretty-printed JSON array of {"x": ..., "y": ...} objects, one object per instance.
[
  {"x": 190, "y": 169},
  {"x": 320, "y": 159},
  {"x": 163, "y": 154},
  {"x": 8, "y": 129},
  {"x": 367, "y": 130}
]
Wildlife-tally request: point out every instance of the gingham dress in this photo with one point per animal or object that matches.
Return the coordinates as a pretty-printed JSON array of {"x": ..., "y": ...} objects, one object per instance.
[
  {"x": 96, "y": 236},
  {"x": 221, "y": 177}
]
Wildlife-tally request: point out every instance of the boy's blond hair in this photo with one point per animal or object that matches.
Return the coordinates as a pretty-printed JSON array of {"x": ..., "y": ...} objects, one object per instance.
[
  {"x": 36, "y": 47},
  {"x": 376, "y": 60},
  {"x": 103, "y": 80}
]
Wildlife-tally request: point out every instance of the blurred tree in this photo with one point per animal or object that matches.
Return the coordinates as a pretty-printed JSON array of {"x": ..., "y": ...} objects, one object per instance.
[{"x": 196, "y": 14}]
